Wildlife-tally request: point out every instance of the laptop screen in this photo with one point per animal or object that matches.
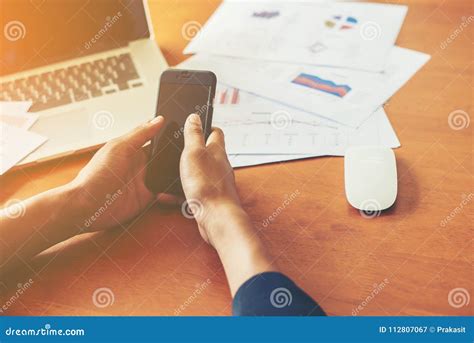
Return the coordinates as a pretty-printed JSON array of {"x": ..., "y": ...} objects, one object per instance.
[{"x": 37, "y": 33}]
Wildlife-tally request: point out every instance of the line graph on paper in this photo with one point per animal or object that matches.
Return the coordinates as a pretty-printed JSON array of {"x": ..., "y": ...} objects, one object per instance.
[
  {"x": 264, "y": 118},
  {"x": 299, "y": 139},
  {"x": 253, "y": 125}
]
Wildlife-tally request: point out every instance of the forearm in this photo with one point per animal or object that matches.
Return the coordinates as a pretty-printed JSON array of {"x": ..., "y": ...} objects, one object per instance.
[
  {"x": 36, "y": 224},
  {"x": 240, "y": 249}
]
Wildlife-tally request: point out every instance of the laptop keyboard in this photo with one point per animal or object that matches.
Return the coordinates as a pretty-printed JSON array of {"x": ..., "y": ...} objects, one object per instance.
[{"x": 73, "y": 84}]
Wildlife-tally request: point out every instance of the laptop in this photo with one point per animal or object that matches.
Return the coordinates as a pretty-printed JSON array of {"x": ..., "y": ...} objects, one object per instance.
[{"x": 90, "y": 68}]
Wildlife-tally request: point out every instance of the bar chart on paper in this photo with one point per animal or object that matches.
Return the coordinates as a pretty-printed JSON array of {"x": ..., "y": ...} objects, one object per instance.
[{"x": 227, "y": 96}]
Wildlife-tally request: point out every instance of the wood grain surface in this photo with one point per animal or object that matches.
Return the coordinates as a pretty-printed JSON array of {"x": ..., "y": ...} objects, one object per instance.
[{"x": 418, "y": 252}]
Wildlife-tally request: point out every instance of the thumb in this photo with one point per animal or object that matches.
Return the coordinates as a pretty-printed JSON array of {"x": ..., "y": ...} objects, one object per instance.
[
  {"x": 145, "y": 132},
  {"x": 193, "y": 136}
]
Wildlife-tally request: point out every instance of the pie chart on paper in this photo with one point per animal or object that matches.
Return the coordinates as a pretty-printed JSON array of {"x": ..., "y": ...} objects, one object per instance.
[{"x": 339, "y": 22}]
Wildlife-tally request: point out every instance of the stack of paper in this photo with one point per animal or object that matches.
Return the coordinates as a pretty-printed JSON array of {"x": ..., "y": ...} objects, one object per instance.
[
  {"x": 16, "y": 142},
  {"x": 300, "y": 79}
]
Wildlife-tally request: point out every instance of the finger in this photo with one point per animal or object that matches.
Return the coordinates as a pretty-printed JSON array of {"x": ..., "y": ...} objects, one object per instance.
[
  {"x": 145, "y": 132},
  {"x": 216, "y": 138},
  {"x": 193, "y": 136}
]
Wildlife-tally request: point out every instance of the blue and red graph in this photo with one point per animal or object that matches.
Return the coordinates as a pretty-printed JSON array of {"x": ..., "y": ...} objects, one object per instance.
[{"x": 314, "y": 82}]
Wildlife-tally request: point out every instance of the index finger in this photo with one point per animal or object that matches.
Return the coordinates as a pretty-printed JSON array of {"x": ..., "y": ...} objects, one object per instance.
[{"x": 143, "y": 133}]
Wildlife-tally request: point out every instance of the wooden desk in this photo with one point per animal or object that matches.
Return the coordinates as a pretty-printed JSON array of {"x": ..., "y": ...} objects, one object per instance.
[{"x": 326, "y": 246}]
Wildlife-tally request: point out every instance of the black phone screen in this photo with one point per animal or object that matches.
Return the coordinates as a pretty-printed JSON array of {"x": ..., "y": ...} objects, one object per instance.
[{"x": 176, "y": 101}]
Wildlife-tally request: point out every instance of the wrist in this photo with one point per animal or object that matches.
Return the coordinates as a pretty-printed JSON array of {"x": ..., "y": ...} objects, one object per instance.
[
  {"x": 231, "y": 232},
  {"x": 223, "y": 221},
  {"x": 70, "y": 210}
]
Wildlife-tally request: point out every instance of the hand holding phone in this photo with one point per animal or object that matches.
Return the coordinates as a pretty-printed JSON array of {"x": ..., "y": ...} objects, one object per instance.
[{"x": 181, "y": 93}]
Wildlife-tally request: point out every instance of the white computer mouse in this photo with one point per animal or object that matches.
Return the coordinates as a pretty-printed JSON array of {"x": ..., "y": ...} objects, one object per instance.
[{"x": 370, "y": 174}]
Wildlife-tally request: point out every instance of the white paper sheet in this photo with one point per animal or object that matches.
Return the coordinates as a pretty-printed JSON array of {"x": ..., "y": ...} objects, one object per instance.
[
  {"x": 350, "y": 35},
  {"x": 345, "y": 96},
  {"x": 14, "y": 107},
  {"x": 14, "y": 113},
  {"x": 20, "y": 121},
  {"x": 294, "y": 135},
  {"x": 16, "y": 144},
  {"x": 253, "y": 125},
  {"x": 237, "y": 161},
  {"x": 387, "y": 138}
]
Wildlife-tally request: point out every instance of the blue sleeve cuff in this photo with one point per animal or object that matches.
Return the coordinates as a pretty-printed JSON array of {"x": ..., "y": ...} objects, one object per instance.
[{"x": 273, "y": 294}]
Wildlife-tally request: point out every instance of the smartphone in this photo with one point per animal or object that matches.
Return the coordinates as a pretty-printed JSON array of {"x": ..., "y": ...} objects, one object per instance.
[{"x": 181, "y": 92}]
